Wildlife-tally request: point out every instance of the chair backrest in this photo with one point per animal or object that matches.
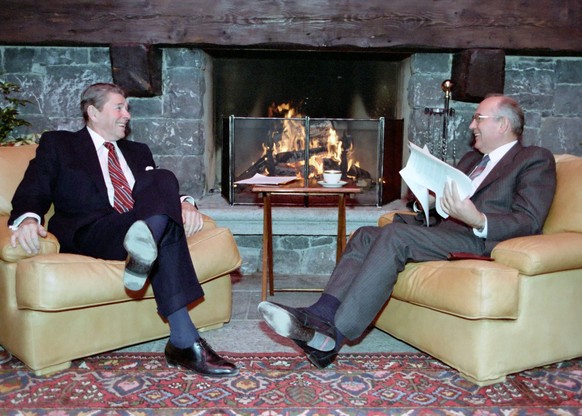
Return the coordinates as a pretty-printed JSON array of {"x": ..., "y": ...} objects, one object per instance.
[
  {"x": 13, "y": 163},
  {"x": 566, "y": 211}
]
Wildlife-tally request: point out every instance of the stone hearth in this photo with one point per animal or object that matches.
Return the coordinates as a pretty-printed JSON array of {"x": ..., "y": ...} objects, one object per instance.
[{"x": 304, "y": 240}]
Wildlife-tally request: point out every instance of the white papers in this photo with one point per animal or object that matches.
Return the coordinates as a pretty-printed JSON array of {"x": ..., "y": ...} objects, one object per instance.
[
  {"x": 424, "y": 172},
  {"x": 259, "y": 179}
]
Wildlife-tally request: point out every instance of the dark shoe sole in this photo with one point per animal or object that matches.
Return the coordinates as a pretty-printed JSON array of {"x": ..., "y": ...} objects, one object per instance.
[{"x": 142, "y": 251}]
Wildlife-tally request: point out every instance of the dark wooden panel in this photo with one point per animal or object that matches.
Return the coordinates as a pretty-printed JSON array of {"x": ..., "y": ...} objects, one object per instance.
[
  {"x": 477, "y": 73},
  {"x": 137, "y": 69},
  {"x": 536, "y": 25}
]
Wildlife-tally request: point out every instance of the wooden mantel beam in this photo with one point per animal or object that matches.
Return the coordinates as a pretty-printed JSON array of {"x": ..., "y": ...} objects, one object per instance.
[{"x": 530, "y": 26}]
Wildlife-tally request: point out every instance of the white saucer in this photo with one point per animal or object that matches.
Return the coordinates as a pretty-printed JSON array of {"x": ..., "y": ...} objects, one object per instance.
[{"x": 332, "y": 185}]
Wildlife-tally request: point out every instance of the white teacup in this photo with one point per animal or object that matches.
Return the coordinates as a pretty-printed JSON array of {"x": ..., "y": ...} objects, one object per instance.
[{"x": 332, "y": 176}]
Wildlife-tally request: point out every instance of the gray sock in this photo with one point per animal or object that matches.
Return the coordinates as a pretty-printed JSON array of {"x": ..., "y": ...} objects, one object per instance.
[{"x": 321, "y": 342}]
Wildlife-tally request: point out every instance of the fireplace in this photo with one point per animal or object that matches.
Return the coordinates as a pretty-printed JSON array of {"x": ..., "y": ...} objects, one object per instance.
[
  {"x": 262, "y": 96},
  {"x": 304, "y": 148}
]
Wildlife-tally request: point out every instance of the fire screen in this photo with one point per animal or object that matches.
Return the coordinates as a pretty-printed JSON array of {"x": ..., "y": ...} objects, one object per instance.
[{"x": 305, "y": 147}]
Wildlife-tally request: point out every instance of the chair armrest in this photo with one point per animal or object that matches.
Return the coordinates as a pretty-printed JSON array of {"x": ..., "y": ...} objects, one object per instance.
[
  {"x": 48, "y": 245},
  {"x": 544, "y": 253},
  {"x": 388, "y": 218},
  {"x": 209, "y": 223},
  {"x": 531, "y": 255}
]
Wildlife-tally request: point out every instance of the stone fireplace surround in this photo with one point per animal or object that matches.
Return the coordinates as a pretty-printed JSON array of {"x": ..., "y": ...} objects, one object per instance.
[{"x": 178, "y": 128}]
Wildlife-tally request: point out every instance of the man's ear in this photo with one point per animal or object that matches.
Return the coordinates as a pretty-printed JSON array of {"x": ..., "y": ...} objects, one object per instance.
[
  {"x": 92, "y": 111},
  {"x": 504, "y": 125}
]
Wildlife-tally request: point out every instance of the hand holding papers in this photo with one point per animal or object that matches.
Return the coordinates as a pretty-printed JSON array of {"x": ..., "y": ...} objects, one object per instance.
[
  {"x": 259, "y": 179},
  {"x": 424, "y": 172}
]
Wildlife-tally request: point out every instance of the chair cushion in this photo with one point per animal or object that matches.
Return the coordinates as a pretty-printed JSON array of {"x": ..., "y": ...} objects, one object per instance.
[
  {"x": 55, "y": 282},
  {"x": 471, "y": 289}
]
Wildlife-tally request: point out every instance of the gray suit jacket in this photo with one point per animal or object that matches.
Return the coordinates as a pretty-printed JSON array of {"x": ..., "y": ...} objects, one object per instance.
[{"x": 516, "y": 195}]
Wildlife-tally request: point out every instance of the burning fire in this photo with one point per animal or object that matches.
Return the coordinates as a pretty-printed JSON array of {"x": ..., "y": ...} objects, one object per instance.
[{"x": 325, "y": 145}]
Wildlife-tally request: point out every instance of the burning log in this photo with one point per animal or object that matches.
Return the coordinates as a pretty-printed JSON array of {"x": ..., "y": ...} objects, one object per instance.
[
  {"x": 275, "y": 165},
  {"x": 358, "y": 173}
]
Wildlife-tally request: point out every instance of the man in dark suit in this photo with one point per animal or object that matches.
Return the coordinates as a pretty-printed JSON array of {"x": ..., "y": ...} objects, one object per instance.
[
  {"x": 111, "y": 203},
  {"x": 514, "y": 188}
]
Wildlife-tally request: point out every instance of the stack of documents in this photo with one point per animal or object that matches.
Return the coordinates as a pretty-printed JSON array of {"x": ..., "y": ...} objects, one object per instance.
[
  {"x": 424, "y": 172},
  {"x": 259, "y": 179}
]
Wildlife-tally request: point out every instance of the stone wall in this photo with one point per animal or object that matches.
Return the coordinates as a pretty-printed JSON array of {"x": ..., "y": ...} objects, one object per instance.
[
  {"x": 176, "y": 125},
  {"x": 173, "y": 124},
  {"x": 548, "y": 89}
]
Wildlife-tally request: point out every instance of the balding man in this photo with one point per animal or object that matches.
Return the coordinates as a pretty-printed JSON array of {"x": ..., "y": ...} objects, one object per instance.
[{"x": 514, "y": 187}]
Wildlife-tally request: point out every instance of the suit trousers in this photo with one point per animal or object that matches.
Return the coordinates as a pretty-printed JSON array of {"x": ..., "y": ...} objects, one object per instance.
[
  {"x": 364, "y": 277},
  {"x": 173, "y": 278}
]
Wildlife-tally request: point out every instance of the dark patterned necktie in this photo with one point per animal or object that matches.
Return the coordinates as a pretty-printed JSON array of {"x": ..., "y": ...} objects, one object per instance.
[
  {"x": 122, "y": 198},
  {"x": 480, "y": 167}
]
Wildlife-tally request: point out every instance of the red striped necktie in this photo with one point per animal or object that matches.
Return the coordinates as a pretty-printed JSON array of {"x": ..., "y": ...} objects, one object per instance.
[
  {"x": 122, "y": 198},
  {"x": 480, "y": 167}
]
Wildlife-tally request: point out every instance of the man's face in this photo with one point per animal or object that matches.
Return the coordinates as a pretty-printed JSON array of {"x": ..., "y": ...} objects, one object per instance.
[
  {"x": 111, "y": 122},
  {"x": 486, "y": 126}
]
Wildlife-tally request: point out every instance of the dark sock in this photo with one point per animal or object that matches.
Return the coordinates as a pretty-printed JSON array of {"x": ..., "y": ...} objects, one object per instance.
[
  {"x": 325, "y": 307},
  {"x": 183, "y": 332},
  {"x": 339, "y": 339},
  {"x": 158, "y": 225}
]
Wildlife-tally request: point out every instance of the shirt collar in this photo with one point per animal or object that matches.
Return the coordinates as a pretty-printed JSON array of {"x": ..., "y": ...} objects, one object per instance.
[
  {"x": 496, "y": 155},
  {"x": 98, "y": 141}
]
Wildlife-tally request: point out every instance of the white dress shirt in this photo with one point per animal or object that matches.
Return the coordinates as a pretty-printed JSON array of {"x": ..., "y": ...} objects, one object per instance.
[
  {"x": 494, "y": 157},
  {"x": 103, "y": 155}
]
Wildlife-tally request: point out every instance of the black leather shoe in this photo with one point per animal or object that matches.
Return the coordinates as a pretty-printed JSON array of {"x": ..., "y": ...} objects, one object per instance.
[
  {"x": 296, "y": 323},
  {"x": 320, "y": 359},
  {"x": 142, "y": 251},
  {"x": 200, "y": 358}
]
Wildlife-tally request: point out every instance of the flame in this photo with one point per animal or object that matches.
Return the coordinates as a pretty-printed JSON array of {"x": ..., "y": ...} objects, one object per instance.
[{"x": 292, "y": 138}]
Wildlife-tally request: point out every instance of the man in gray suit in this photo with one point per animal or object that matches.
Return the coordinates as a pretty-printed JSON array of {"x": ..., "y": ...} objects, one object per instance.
[{"x": 514, "y": 187}]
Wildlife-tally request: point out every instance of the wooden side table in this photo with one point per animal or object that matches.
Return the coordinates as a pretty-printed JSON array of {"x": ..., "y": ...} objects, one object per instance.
[{"x": 294, "y": 189}]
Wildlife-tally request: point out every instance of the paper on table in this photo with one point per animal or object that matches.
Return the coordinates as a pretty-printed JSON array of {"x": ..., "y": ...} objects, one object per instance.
[
  {"x": 259, "y": 179},
  {"x": 424, "y": 172}
]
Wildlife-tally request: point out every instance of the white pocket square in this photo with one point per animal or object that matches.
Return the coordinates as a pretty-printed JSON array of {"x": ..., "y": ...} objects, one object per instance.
[{"x": 149, "y": 168}]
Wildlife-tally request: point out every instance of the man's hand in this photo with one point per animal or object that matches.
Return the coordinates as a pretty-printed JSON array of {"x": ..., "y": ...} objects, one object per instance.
[
  {"x": 461, "y": 209},
  {"x": 193, "y": 221},
  {"x": 27, "y": 235}
]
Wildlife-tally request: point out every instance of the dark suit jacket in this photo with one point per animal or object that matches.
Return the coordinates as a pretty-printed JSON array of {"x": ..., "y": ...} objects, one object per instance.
[
  {"x": 66, "y": 173},
  {"x": 516, "y": 195}
]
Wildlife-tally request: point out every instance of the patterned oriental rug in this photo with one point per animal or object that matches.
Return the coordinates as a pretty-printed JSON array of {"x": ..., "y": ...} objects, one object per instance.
[{"x": 285, "y": 384}]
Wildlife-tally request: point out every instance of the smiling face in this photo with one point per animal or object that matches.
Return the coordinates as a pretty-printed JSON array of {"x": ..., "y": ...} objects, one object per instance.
[
  {"x": 111, "y": 121},
  {"x": 488, "y": 126}
]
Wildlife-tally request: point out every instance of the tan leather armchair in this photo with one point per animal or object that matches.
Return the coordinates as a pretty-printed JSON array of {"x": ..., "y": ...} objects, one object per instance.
[
  {"x": 56, "y": 307},
  {"x": 488, "y": 319}
]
